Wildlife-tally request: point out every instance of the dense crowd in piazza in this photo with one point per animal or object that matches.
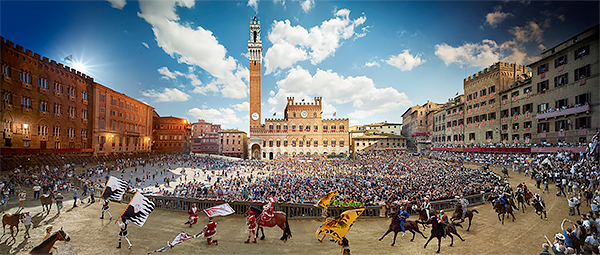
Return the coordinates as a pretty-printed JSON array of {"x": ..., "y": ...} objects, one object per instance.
[{"x": 511, "y": 145}]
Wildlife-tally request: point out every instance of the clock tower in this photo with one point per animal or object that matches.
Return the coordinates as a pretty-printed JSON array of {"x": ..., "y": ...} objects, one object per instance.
[{"x": 255, "y": 56}]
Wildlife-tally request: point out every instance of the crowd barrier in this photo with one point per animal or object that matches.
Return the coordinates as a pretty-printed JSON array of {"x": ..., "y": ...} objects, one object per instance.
[{"x": 290, "y": 209}]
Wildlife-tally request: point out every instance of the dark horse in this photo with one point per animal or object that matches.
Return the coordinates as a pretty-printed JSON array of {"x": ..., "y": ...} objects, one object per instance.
[
  {"x": 279, "y": 219},
  {"x": 540, "y": 209},
  {"x": 423, "y": 214},
  {"x": 457, "y": 215},
  {"x": 11, "y": 220},
  {"x": 437, "y": 230},
  {"x": 505, "y": 172},
  {"x": 46, "y": 200},
  {"x": 521, "y": 201},
  {"x": 46, "y": 245},
  {"x": 500, "y": 209},
  {"x": 395, "y": 226}
]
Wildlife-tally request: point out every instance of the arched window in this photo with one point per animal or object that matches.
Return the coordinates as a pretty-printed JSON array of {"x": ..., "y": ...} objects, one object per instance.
[
  {"x": 325, "y": 142},
  {"x": 285, "y": 127},
  {"x": 271, "y": 127},
  {"x": 316, "y": 127},
  {"x": 293, "y": 142},
  {"x": 342, "y": 143},
  {"x": 333, "y": 143},
  {"x": 324, "y": 127},
  {"x": 308, "y": 128},
  {"x": 341, "y": 127},
  {"x": 278, "y": 127},
  {"x": 316, "y": 142},
  {"x": 300, "y": 127},
  {"x": 300, "y": 142},
  {"x": 293, "y": 127},
  {"x": 333, "y": 127}
]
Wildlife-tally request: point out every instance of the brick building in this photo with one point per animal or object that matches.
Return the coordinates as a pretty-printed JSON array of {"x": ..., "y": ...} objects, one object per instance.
[
  {"x": 120, "y": 123},
  {"x": 45, "y": 105},
  {"x": 449, "y": 122},
  {"x": 301, "y": 131},
  {"x": 170, "y": 133},
  {"x": 565, "y": 91},
  {"x": 417, "y": 122},
  {"x": 233, "y": 143},
  {"x": 205, "y": 137}
]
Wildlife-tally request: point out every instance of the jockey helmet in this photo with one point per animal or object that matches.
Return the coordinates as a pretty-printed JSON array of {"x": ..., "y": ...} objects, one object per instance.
[
  {"x": 401, "y": 207},
  {"x": 251, "y": 212},
  {"x": 442, "y": 211},
  {"x": 210, "y": 218}
]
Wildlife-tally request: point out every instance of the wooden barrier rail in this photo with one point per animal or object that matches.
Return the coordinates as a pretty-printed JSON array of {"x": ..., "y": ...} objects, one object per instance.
[{"x": 292, "y": 210}]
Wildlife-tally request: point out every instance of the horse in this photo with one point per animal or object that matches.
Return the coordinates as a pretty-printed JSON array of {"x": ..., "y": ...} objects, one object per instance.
[
  {"x": 13, "y": 221},
  {"x": 409, "y": 225},
  {"x": 539, "y": 209},
  {"x": 46, "y": 200},
  {"x": 521, "y": 201},
  {"x": 46, "y": 245},
  {"x": 500, "y": 209},
  {"x": 423, "y": 214},
  {"x": 437, "y": 230},
  {"x": 528, "y": 195},
  {"x": 458, "y": 215},
  {"x": 505, "y": 172},
  {"x": 279, "y": 219}
]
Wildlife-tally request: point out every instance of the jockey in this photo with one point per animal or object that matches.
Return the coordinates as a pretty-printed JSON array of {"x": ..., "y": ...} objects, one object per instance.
[
  {"x": 502, "y": 202},
  {"x": 105, "y": 208},
  {"x": 210, "y": 230},
  {"x": 193, "y": 212},
  {"x": 403, "y": 215},
  {"x": 538, "y": 198},
  {"x": 464, "y": 204},
  {"x": 525, "y": 188},
  {"x": 123, "y": 232},
  {"x": 251, "y": 223},
  {"x": 427, "y": 206},
  {"x": 268, "y": 211},
  {"x": 443, "y": 219}
]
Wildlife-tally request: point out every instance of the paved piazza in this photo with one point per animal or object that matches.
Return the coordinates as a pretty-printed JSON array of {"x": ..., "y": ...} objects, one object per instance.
[{"x": 91, "y": 235}]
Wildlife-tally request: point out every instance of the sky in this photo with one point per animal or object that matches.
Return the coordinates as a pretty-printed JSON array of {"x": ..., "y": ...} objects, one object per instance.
[{"x": 369, "y": 60}]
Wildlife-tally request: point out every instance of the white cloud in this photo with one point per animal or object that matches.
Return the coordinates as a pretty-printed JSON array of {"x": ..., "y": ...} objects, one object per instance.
[
  {"x": 242, "y": 107},
  {"x": 494, "y": 18},
  {"x": 195, "y": 47},
  {"x": 221, "y": 115},
  {"x": 529, "y": 33},
  {"x": 167, "y": 74},
  {"x": 295, "y": 43},
  {"x": 307, "y": 4},
  {"x": 404, "y": 61},
  {"x": 117, "y": 4},
  {"x": 372, "y": 63},
  {"x": 253, "y": 4},
  {"x": 145, "y": 45},
  {"x": 469, "y": 54},
  {"x": 359, "y": 91},
  {"x": 168, "y": 95}
]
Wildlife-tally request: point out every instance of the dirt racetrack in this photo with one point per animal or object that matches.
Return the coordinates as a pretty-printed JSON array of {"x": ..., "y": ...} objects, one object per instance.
[{"x": 91, "y": 235}]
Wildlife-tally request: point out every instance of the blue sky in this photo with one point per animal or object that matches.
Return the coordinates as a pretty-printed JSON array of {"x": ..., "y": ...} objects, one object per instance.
[{"x": 369, "y": 60}]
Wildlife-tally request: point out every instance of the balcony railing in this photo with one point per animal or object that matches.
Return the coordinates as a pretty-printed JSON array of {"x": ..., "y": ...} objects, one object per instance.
[{"x": 569, "y": 111}]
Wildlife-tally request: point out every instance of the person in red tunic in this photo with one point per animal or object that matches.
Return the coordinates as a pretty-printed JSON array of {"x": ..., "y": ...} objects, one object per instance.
[
  {"x": 268, "y": 212},
  {"x": 251, "y": 223},
  {"x": 193, "y": 212},
  {"x": 210, "y": 230}
]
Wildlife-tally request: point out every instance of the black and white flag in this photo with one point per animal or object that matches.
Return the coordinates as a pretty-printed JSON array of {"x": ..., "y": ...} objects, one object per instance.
[
  {"x": 138, "y": 209},
  {"x": 114, "y": 189}
]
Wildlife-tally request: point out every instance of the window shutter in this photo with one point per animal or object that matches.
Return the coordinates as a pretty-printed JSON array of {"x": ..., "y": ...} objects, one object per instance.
[
  {"x": 566, "y": 58},
  {"x": 555, "y": 81},
  {"x": 577, "y": 74}
]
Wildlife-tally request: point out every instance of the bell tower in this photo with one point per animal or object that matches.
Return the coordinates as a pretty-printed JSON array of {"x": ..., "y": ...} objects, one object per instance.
[{"x": 255, "y": 56}]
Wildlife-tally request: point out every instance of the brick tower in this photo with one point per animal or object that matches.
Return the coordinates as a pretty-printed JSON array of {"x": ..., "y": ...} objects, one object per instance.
[{"x": 255, "y": 55}]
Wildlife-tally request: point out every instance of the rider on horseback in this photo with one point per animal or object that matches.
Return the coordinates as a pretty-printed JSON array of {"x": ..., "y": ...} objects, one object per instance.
[
  {"x": 464, "y": 203},
  {"x": 403, "y": 215},
  {"x": 502, "y": 202},
  {"x": 426, "y": 206},
  {"x": 268, "y": 211},
  {"x": 443, "y": 219},
  {"x": 538, "y": 199}
]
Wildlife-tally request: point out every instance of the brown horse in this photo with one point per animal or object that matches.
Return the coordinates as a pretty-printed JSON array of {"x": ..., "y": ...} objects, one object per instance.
[
  {"x": 437, "y": 230},
  {"x": 13, "y": 221},
  {"x": 46, "y": 200},
  {"x": 46, "y": 245},
  {"x": 457, "y": 215},
  {"x": 279, "y": 219},
  {"x": 395, "y": 226},
  {"x": 423, "y": 214},
  {"x": 500, "y": 209}
]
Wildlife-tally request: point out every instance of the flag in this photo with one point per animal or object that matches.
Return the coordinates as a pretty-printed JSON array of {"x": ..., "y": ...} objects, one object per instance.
[
  {"x": 338, "y": 227},
  {"x": 325, "y": 201},
  {"x": 302, "y": 99},
  {"x": 457, "y": 93},
  {"x": 68, "y": 58},
  {"x": 274, "y": 113},
  {"x": 334, "y": 114},
  {"x": 178, "y": 239},
  {"x": 219, "y": 210},
  {"x": 114, "y": 189},
  {"x": 138, "y": 209}
]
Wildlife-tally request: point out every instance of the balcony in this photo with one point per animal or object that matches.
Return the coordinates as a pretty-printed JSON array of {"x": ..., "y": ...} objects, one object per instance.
[{"x": 565, "y": 112}]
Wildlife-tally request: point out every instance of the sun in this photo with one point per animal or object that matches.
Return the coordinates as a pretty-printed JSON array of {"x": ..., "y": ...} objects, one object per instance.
[{"x": 79, "y": 67}]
